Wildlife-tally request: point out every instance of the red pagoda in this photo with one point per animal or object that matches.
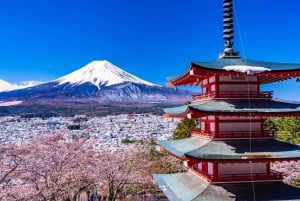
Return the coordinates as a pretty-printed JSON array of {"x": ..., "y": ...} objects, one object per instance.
[{"x": 230, "y": 155}]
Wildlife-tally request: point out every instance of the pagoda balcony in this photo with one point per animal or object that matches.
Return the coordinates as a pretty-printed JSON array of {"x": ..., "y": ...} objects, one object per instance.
[
  {"x": 199, "y": 97},
  {"x": 198, "y": 133},
  {"x": 271, "y": 176},
  {"x": 246, "y": 134},
  {"x": 233, "y": 94},
  {"x": 232, "y": 134}
]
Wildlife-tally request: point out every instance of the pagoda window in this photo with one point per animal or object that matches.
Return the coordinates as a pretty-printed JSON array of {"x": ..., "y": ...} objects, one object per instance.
[
  {"x": 242, "y": 79},
  {"x": 206, "y": 168},
  {"x": 240, "y": 127},
  {"x": 213, "y": 88},
  {"x": 212, "y": 79},
  {"x": 212, "y": 127},
  {"x": 199, "y": 166},
  {"x": 238, "y": 86},
  {"x": 207, "y": 126},
  {"x": 202, "y": 126},
  {"x": 211, "y": 117},
  {"x": 242, "y": 168},
  {"x": 208, "y": 85},
  {"x": 210, "y": 168}
]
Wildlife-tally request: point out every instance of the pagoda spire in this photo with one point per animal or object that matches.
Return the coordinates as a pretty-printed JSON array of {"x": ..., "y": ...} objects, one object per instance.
[{"x": 228, "y": 32}]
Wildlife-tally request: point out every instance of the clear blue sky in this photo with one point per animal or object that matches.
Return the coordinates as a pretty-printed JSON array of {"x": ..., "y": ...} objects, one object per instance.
[{"x": 152, "y": 39}]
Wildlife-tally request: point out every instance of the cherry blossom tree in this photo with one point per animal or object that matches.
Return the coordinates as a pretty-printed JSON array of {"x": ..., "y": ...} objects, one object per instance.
[
  {"x": 290, "y": 171},
  {"x": 10, "y": 159},
  {"x": 54, "y": 168},
  {"x": 114, "y": 171},
  {"x": 51, "y": 169}
]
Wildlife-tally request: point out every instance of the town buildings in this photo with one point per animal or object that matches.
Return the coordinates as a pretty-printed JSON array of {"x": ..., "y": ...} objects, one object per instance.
[{"x": 107, "y": 133}]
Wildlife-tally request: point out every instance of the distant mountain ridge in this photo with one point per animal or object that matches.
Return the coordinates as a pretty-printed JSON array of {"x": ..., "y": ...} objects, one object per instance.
[
  {"x": 6, "y": 86},
  {"x": 97, "y": 82}
]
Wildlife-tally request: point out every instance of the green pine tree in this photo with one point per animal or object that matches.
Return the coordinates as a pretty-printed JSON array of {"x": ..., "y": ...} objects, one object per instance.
[
  {"x": 183, "y": 128},
  {"x": 287, "y": 128}
]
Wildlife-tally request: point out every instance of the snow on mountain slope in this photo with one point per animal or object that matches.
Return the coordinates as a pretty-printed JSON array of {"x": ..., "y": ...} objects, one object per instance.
[
  {"x": 100, "y": 73},
  {"x": 26, "y": 84},
  {"x": 5, "y": 86}
]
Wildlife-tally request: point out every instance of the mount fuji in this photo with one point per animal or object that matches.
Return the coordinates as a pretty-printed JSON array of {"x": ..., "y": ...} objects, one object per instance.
[
  {"x": 97, "y": 82},
  {"x": 100, "y": 73}
]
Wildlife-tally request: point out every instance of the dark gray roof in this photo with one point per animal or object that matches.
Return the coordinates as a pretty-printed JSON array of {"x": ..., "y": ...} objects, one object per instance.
[
  {"x": 220, "y": 63},
  {"x": 237, "y": 106},
  {"x": 181, "y": 186},
  {"x": 180, "y": 147},
  {"x": 237, "y": 149},
  {"x": 188, "y": 187}
]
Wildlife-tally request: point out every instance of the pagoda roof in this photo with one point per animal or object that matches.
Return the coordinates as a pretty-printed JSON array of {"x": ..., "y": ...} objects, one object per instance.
[
  {"x": 235, "y": 106},
  {"x": 273, "y": 71},
  {"x": 180, "y": 147},
  {"x": 233, "y": 149},
  {"x": 221, "y": 63},
  {"x": 189, "y": 187}
]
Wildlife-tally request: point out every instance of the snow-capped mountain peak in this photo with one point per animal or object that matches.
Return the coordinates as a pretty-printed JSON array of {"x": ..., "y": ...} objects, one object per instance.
[{"x": 100, "y": 73}]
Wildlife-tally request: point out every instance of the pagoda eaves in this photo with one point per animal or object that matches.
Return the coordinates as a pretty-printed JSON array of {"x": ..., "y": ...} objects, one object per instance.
[
  {"x": 198, "y": 70},
  {"x": 234, "y": 149},
  {"x": 265, "y": 108},
  {"x": 188, "y": 186}
]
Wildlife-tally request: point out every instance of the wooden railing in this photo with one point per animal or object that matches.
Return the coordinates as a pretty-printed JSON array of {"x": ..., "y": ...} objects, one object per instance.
[
  {"x": 197, "y": 97},
  {"x": 199, "y": 133},
  {"x": 232, "y": 134},
  {"x": 272, "y": 176},
  {"x": 233, "y": 94},
  {"x": 246, "y": 134}
]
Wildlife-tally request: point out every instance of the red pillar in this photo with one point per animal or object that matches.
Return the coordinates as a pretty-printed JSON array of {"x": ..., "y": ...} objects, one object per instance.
[
  {"x": 268, "y": 168},
  {"x": 217, "y": 126},
  {"x": 215, "y": 174},
  {"x": 217, "y": 85}
]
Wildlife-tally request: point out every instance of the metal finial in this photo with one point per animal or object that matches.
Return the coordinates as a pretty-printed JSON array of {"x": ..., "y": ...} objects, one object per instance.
[
  {"x": 228, "y": 24},
  {"x": 228, "y": 35}
]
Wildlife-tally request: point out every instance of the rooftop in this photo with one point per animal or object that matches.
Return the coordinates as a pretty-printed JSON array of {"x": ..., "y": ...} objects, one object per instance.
[
  {"x": 221, "y": 63},
  {"x": 245, "y": 106},
  {"x": 189, "y": 187},
  {"x": 235, "y": 149},
  {"x": 267, "y": 71}
]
